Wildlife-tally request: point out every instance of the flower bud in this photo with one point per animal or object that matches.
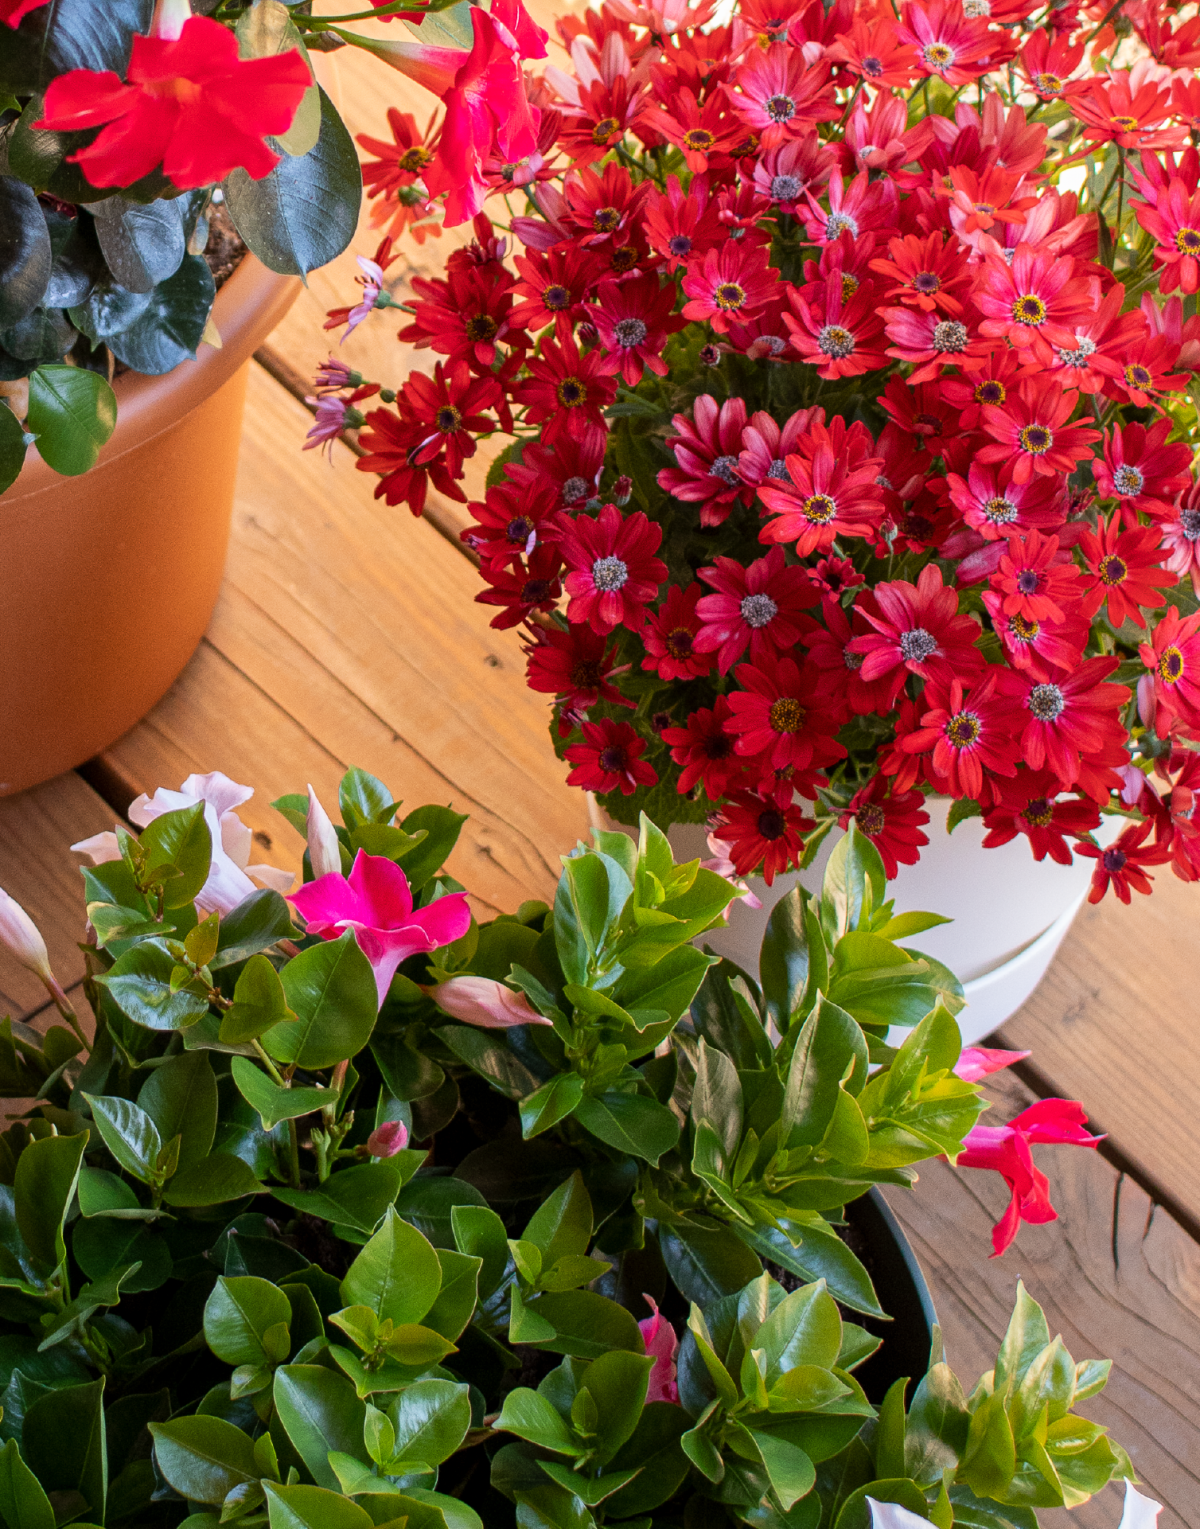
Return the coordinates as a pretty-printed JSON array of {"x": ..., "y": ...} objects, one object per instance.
[
  {"x": 21, "y": 938},
  {"x": 622, "y": 489},
  {"x": 482, "y": 1001},
  {"x": 169, "y": 17},
  {"x": 323, "y": 849},
  {"x": 388, "y": 1139}
]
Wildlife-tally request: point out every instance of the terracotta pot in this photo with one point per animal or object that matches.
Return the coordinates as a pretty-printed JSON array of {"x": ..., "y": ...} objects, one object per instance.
[{"x": 110, "y": 578}]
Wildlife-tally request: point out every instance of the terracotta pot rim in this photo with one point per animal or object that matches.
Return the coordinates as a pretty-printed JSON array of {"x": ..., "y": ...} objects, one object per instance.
[{"x": 247, "y": 306}]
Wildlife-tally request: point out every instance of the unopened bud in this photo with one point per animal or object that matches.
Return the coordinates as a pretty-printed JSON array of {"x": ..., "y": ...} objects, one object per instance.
[
  {"x": 622, "y": 490},
  {"x": 169, "y": 17},
  {"x": 709, "y": 355},
  {"x": 388, "y": 1139},
  {"x": 323, "y": 849},
  {"x": 21, "y": 937}
]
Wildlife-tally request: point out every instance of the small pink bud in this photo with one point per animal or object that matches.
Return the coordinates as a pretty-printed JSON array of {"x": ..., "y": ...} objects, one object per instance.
[
  {"x": 323, "y": 849},
  {"x": 21, "y": 937},
  {"x": 976, "y": 1062},
  {"x": 622, "y": 490},
  {"x": 169, "y": 17},
  {"x": 662, "y": 1345},
  {"x": 481, "y": 1001},
  {"x": 388, "y": 1139}
]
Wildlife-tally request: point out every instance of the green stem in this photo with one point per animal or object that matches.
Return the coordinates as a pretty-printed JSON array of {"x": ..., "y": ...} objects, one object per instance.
[
  {"x": 268, "y": 1064},
  {"x": 294, "y": 1153}
]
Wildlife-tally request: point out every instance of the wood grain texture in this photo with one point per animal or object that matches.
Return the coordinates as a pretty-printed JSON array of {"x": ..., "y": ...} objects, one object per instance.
[
  {"x": 1120, "y": 998},
  {"x": 38, "y": 869},
  {"x": 1116, "y": 1277},
  {"x": 347, "y": 633}
]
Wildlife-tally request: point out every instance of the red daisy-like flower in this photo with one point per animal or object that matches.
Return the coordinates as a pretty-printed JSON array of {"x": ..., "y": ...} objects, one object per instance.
[
  {"x": 1172, "y": 657},
  {"x": 754, "y": 607},
  {"x": 1071, "y": 714},
  {"x": 825, "y": 496},
  {"x": 1031, "y": 804},
  {"x": 703, "y": 748},
  {"x": 1114, "y": 112},
  {"x": 832, "y": 575},
  {"x": 1048, "y": 62},
  {"x": 784, "y": 173},
  {"x": 190, "y": 103},
  {"x": 988, "y": 384},
  {"x": 531, "y": 584},
  {"x": 969, "y": 731},
  {"x": 609, "y": 759},
  {"x": 932, "y": 342},
  {"x": 766, "y": 445},
  {"x": 1181, "y": 538},
  {"x": 919, "y": 627},
  {"x": 633, "y": 320},
  {"x": 1037, "y": 579},
  {"x": 947, "y": 45},
  {"x": 706, "y": 449},
  {"x": 899, "y": 759},
  {"x": 925, "y": 273},
  {"x": 395, "y": 172},
  {"x": 779, "y": 96},
  {"x": 830, "y": 650},
  {"x": 603, "y": 208},
  {"x": 576, "y": 666},
  {"x": 612, "y": 571},
  {"x": 571, "y": 468},
  {"x": 554, "y": 285},
  {"x": 391, "y": 446},
  {"x": 871, "y": 50},
  {"x": 1123, "y": 864},
  {"x": 566, "y": 392},
  {"x": 1144, "y": 362},
  {"x": 1035, "y": 302},
  {"x": 1033, "y": 645},
  {"x": 704, "y": 135},
  {"x": 1127, "y": 569},
  {"x": 839, "y": 338},
  {"x": 764, "y": 833},
  {"x": 892, "y": 821},
  {"x": 1031, "y": 431},
  {"x": 992, "y": 504},
  {"x": 670, "y": 636},
  {"x": 729, "y": 285},
  {"x": 511, "y": 521},
  {"x": 864, "y": 205},
  {"x": 780, "y": 718},
  {"x": 1142, "y": 470},
  {"x": 1173, "y": 221},
  {"x": 445, "y": 410},
  {"x": 681, "y": 225},
  {"x": 466, "y": 316}
]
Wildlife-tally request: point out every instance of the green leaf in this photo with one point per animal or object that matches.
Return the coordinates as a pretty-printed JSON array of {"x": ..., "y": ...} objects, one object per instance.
[
  {"x": 178, "y": 851},
  {"x": 397, "y": 1274},
  {"x": 480, "y": 1233},
  {"x": 829, "y": 1044},
  {"x": 441, "y": 827},
  {"x": 357, "y": 1197},
  {"x": 854, "y": 883},
  {"x": 804, "y": 1328},
  {"x": 180, "y": 1096},
  {"x": 321, "y": 1411},
  {"x": 330, "y": 988},
  {"x": 64, "y": 1444},
  {"x": 140, "y": 985},
  {"x": 215, "y": 1180},
  {"x": 272, "y": 1102},
  {"x": 430, "y": 1419},
  {"x": 856, "y": 1513},
  {"x": 563, "y": 1223},
  {"x": 47, "y": 1173},
  {"x": 531, "y": 1417},
  {"x": 791, "y": 1473},
  {"x": 617, "y": 1383},
  {"x": 717, "y": 1098},
  {"x": 143, "y": 244},
  {"x": 784, "y": 959},
  {"x": 254, "y": 925},
  {"x": 238, "y": 1316},
  {"x": 170, "y": 327},
  {"x": 586, "y": 1324},
  {"x": 109, "y": 1246},
  {"x": 104, "y": 1194},
  {"x": 72, "y": 412},
  {"x": 304, "y": 213},
  {"x": 25, "y": 252},
  {"x": 129, "y": 1134},
  {"x": 363, "y": 799},
  {"x": 630, "y": 1122},
  {"x": 204, "y": 1458},
  {"x": 305, "y": 1507},
  {"x": 553, "y": 1102},
  {"x": 259, "y": 1002},
  {"x": 12, "y": 447},
  {"x": 458, "y": 1296},
  {"x": 23, "y": 1500}
]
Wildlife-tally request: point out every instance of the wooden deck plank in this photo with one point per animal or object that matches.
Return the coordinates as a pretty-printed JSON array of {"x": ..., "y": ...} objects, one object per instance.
[
  {"x": 346, "y": 634},
  {"x": 37, "y": 868},
  {"x": 1117, "y": 1278},
  {"x": 1114, "y": 1023}
]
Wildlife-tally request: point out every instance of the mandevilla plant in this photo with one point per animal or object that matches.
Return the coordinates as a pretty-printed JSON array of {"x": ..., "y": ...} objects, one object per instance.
[{"x": 354, "y": 1211}]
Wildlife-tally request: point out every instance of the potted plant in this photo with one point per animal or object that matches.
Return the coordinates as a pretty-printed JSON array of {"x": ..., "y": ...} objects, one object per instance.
[
  {"x": 352, "y": 1210},
  {"x": 843, "y": 361},
  {"x": 146, "y": 155}
]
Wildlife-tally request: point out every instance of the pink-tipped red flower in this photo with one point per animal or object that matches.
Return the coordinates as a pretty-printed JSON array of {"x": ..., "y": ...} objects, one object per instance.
[
  {"x": 189, "y": 104},
  {"x": 752, "y": 607},
  {"x": 1006, "y": 1150},
  {"x": 779, "y": 716},
  {"x": 1142, "y": 470},
  {"x": 613, "y": 573},
  {"x": 919, "y": 627},
  {"x": 1173, "y": 658},
  {"x": 1037, "y": 579},
  {"x": 1034, "y": 303},
  {"x": 374, "y": 902},
  {"x": 832, "y": 489},
  {"x": 609, "y": 759},
  {"x": 729, "y": 285},
  {"x": 1031, "y": 430}
]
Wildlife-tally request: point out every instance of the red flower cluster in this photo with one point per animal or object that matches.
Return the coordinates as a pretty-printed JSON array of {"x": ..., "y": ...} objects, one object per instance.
[{"x": 847, "y": 467}]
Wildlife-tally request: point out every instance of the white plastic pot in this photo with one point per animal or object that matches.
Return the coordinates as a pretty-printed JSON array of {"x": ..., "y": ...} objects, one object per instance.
[{"x": 1010, "y": 912}]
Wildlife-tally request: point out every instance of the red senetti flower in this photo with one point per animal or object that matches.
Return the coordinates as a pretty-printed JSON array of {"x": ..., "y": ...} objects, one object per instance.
[
  {"x": 947, "y": 45},
  {"x": 992, "y": 504},
  {"x": 1071, "y": 714},
  {"x": 706, "y": 449},
  {"x": 1006, "y": 1149},
  {"x": 670, "y": 636},
  {"x": 607, "y": 759},
  {"x": 763, "y": 833},
  {"x": 375, "y": 903},
  {"x": 933, "y": 342},
  {"x": 1142, "y": 470},
  {"x": 832, "y": 489},
  {"x": 531, "y": 585},
  {"x": 1181, "y": 538},
  {"x": 1035, "y": 302},
  {"x": 1037, "y": 579},
  {"x": 1174, "y": 224},
  {"x": 465, "y": 317},
  {"x": 566, "y": 392},
  {"x": 1030, "y": 804},
  {"x": 779, "y": 716},
  {"x": 575, "y": 665},
  {"x": 924, "y": 272},
  {"x": 613, "y": 573},
  {"x": 633, "y": 319},
  {"x": 919, "y": 626},
  {"x": 1173, "y": 658},
  {"x": 1112, "y": 112},
  {"x": 444, "y": 409},
  {"x": 1127, "y": 569},
  {"x": 729, "y": 285},
  {"x": 968, "y": 732},
  {"x": 553, "y": 286},
  {"x": 780, "y": 97},
  {"x": 839, "y": 338},
  {"x": 1123, "y": 864},
  {"x": 891, "y": 820},
  {"x": 753, "y": 607},
  {"x": 703, "y": 748},
  {"x": 830, "y": 649},
  {"x": 1032, "y": 645},
  {"x": 189, "y": 103},
  {"x": 1030, "y": 430}
]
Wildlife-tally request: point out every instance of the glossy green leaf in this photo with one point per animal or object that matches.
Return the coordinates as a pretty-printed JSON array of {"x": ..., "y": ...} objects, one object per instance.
[
  {"x": 254, "y": 925},
  {"x": 530, "y": 1416},
  {"x": 272, "y": 1102},
  {"x": 180, "y": 1096},
  {"x": 306, "y": 1507},
  {"x": 321, "y": 1411},
  {"x": 23, "y": 1500},
  {"x": 441, "y": 827},
  {"x": 259, "y": 1002},
  {"x": 214, "y": 1180},
  {"x": 330, "y": 988},
  {"x": 430, "y": 1420},
  {"x": 178, "y": 850},
  {"x": 238, "y": 1317},
  {"x": 632, "y": 1123},
  {"x": 562, "y": 1224},
  {"x": 204, "y": 1458},
  {"x": 358, "y": 1197},
  {"x": 47, "y": 1173},
  {"x": 72, "y": 412},
  {"x": 129, "y": 1134},
  {"x": 63, "y": 1442},
  {"x": 140, "y": 985},
  {"x": 397, "y": 1274}
]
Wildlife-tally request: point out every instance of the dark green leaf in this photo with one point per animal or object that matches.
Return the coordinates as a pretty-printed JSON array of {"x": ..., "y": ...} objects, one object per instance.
[
  {"x": 169, "y": 330},
  {"x": 140, "y": 985},
  {"x": 47, "y": 1173},
  {"x": 215, "y": 1180},
  {"x": 178, "y": 851},
  {"x": 272, "y": 1102},
  {"x": 357, "y": 1197},
  {"x": 321, "y": 1411},
  {"x": 252, "y": 926},
  {"x": 204, "y": 1457},
  {"x": 64, "y": 1445},
  {"x": 180, "y": 1096},
  {"x": 585, "y": 1324},
  {"x": 12, "y": 447},
  {"x": 128, "y": 1133},
  {"x": 72, "y": 412},
  {"x": 25, "y": 253},
  {"x": 305, "y": 1507},
  {"x": 143, "y": 244},
  {"x": 330, "y": 988},
  {"x": 630, "y": 1122},
  {"x": 23, "y": 1500}
]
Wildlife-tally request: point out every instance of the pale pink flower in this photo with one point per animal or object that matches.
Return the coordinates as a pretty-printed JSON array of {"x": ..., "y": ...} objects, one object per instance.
[
  {"x": 376, "y": 903},
  {"x": 229, "y": 876},
  {"x": 662, "y": 1345},
  {"x": 22, "y": 938},
  {"x": 484, "y": 1002},
  {"x": 388, "y": 1139},
  {"x": 1141, "y": 1512},
  {"x": 976, "y": 1062}
]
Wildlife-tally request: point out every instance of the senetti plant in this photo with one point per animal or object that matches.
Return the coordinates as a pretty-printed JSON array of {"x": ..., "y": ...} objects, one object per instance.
[
  {"x": 355, "y": 1211},
  {"x": 845, "y": 356},
  {"x": 123, "y": 125}
]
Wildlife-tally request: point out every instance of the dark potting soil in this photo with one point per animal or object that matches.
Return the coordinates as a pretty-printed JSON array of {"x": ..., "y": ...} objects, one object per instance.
[{"x": 224, "y": 251}]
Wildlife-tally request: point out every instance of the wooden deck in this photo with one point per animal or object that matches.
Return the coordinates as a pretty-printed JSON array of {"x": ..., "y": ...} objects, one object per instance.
[{"x": 346, "y": 634}]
